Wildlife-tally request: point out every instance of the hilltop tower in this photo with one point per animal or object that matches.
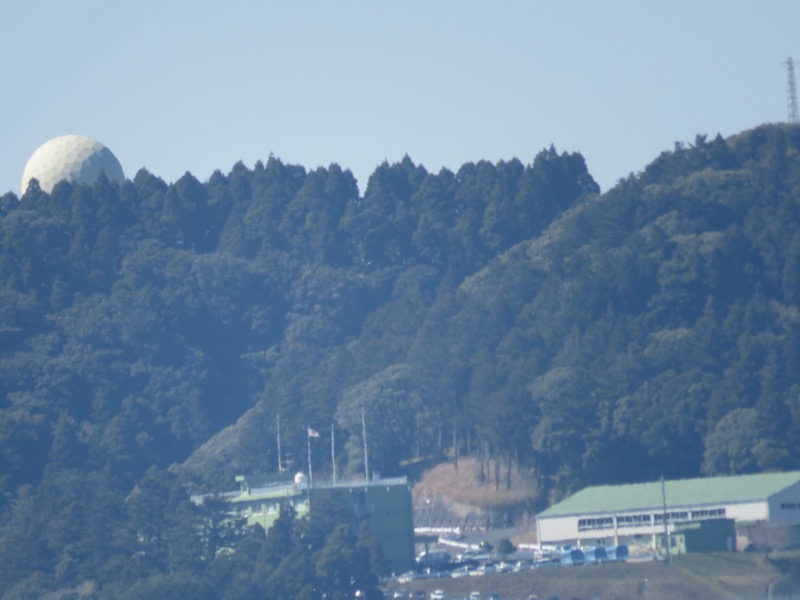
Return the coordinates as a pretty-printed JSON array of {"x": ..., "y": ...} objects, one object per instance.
[{"x": 794, "y": 116}]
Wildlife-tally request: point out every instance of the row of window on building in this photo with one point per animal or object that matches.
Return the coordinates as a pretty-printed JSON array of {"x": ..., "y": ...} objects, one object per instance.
[{"x": 647, "y": 519}]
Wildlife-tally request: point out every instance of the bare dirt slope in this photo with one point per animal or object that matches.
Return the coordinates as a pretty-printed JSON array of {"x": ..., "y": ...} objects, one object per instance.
[{"x": 446, "y": 496}]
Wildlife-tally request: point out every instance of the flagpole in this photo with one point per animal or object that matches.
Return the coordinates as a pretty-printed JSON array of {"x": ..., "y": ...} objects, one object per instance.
[
  {"x": 333, "y": 452},
  {"x": 364, "y": 434},
  {"x": 280, "y": 461},
  {"x": 310, "y": 473}
]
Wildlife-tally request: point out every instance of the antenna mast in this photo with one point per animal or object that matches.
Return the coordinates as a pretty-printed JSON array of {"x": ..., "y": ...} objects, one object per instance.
[
  {"x": 280, "y": 460},
  {"x": 794, "y": 115}
]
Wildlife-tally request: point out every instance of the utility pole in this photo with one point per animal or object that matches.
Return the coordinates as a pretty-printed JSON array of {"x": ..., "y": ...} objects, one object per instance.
[
  {"x": 333, "y": 451},
  {"x": 666, "y": 527},
  {"x": 794, "y": 115},
  {"x": 364, "y": 434}
]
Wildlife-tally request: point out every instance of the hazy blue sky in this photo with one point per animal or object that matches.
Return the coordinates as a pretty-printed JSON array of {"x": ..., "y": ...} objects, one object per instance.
[{"x": 176, "y": 86}]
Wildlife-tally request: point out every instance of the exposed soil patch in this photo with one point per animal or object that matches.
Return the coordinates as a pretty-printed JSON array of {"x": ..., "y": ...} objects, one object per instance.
[{"x": 450, "y": 497}]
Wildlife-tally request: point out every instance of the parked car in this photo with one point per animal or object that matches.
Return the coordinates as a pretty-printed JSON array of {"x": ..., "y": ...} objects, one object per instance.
[
  {"x": 523, "y": 565},
  {"x": 468, "y": 555},
  {"x": 435, "y": 560},
  {"x": 546, "y": 563},
  {"x": 460, "y": 571},
  {"x": 428, "y": 573},
  {"x": 472, "y": 557},
  {"x": 504, "y": 567},
  {"x": 437, "y": 595}
]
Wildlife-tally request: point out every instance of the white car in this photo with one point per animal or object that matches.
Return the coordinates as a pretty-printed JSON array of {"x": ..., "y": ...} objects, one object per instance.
[
  {"x": 437, "y": 595},
  {"x": 460, "y": 572},
  {"x": 523, "y": 565}
]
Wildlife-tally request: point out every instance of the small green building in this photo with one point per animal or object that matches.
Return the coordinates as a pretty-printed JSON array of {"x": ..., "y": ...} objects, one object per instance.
[
  {"x": 384, "y": 503},
  {"x": 388, "y": 509},
  {"x": 710, "y": 535}
]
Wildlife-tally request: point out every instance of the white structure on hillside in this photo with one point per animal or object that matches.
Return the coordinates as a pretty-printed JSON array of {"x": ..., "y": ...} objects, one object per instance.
[
  {"x": 73, "y": 158},
  {"x": 607, "y": 513}
]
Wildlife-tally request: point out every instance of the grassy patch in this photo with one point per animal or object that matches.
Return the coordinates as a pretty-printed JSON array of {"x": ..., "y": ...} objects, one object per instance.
[{"x": 724, "y": 564}]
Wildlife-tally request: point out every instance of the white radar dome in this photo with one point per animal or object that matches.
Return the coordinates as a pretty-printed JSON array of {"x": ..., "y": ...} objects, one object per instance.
[{"x": 76, "y": 158}]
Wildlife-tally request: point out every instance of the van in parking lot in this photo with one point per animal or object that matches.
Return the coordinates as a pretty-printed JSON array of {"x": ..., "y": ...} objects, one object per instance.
[
  {"x": 617, "y": 553},
  {"x": 595, "y": 555},
  {"x": 572, "y": 557}
]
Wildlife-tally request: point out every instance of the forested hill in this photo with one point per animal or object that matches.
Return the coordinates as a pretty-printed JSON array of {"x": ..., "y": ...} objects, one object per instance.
[
  {"x": 506, "y": 310},
  {"x": 652, "y": 330}
]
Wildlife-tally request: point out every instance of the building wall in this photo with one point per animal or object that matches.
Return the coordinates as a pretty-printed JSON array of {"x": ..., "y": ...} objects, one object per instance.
[
  {"x": 751, "y": 511},
  {"x": 265, "y": 512},
  {"x": 765, "y": 536},
  {"x": 388, "y": 509},
  {"x": 386, "y": 505},
  {"x": 596, "y": 526},
  {"x": 713, "y": 535},
  {"x": 257, "y": 507},
  {"x": 784, "y": 507}
]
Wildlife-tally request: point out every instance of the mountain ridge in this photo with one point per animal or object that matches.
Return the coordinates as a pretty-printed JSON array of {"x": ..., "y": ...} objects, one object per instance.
[{"x": 508, "y": 313}]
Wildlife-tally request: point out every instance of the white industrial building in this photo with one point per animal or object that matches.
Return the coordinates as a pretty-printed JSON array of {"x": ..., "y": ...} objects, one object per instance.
[{"x": 604, "y": 514}]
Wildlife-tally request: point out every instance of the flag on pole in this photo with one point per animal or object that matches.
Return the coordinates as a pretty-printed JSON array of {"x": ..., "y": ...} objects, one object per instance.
[{"x": 313, "y": 433}]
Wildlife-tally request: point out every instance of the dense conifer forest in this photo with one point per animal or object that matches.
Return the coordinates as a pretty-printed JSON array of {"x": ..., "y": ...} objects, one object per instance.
[{"x": 151, "y": 334}]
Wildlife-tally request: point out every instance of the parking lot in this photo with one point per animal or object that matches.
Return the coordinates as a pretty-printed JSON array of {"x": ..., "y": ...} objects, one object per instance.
[{"x": 439, "y": 564}]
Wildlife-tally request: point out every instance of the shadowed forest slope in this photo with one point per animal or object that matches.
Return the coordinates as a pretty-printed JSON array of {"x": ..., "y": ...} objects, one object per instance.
[{"x": 508, "y": 312}]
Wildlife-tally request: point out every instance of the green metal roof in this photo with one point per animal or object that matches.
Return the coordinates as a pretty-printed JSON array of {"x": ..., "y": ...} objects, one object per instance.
[
  {"x": 268, "y": 493},
  {"x": 679, "y": 493}
]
